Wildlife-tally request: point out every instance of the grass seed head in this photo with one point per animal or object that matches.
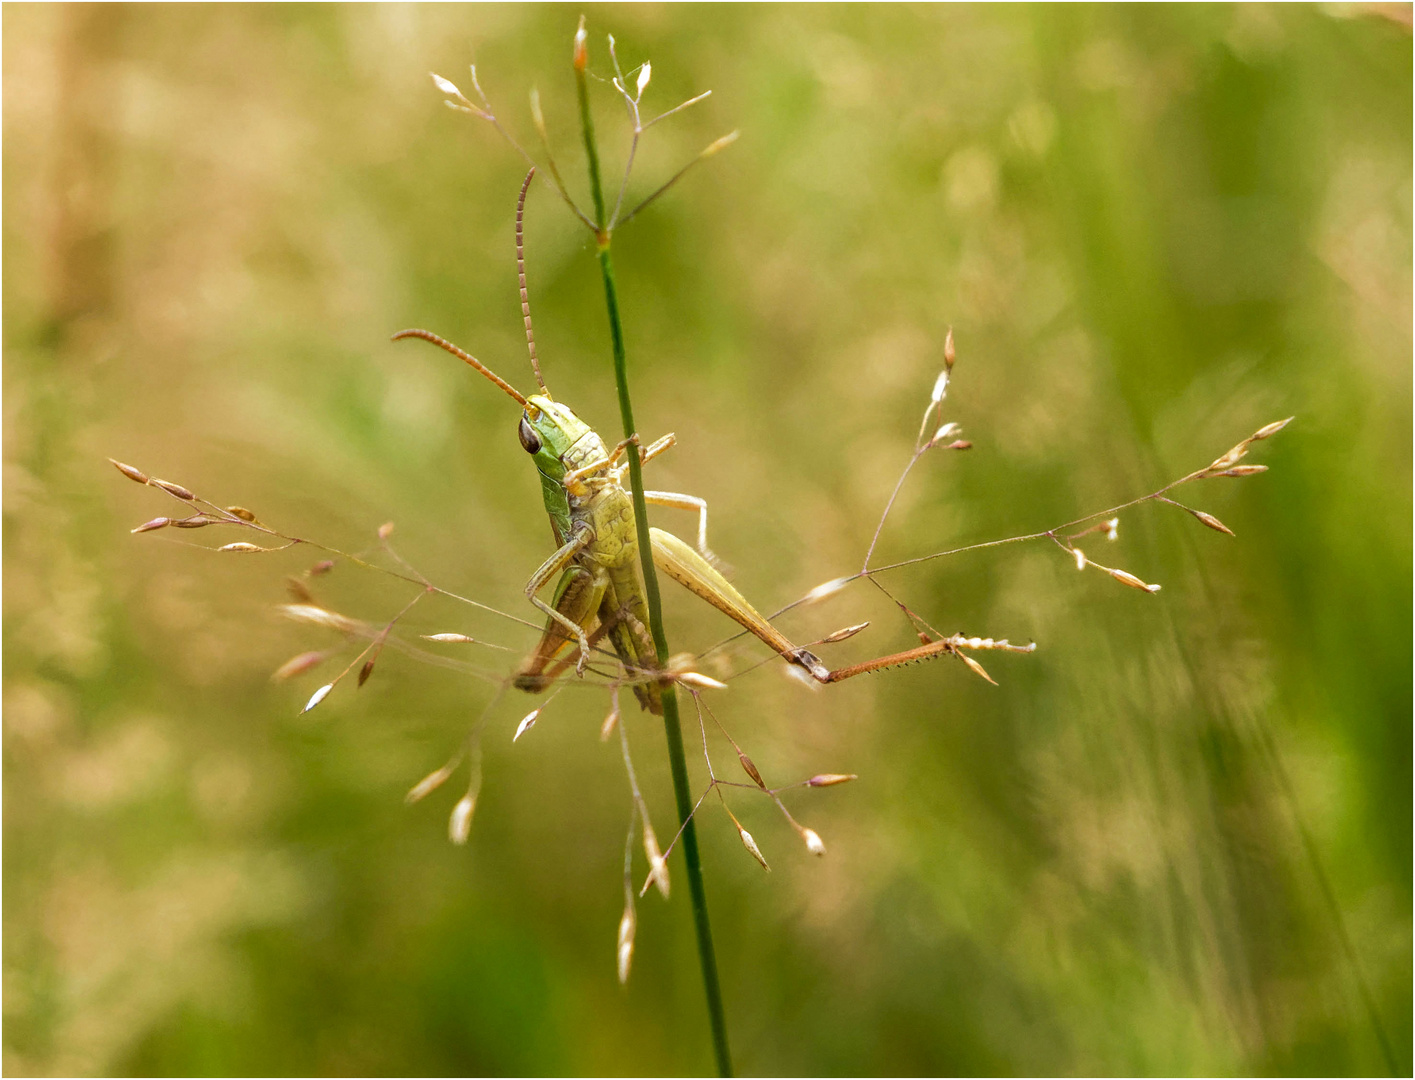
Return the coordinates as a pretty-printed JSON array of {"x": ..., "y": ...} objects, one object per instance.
[
  {"x": 720, "y": 144},
  {"x": 947, "y": 431},
  {"x": 299, "y": 591},
  {"x": 976, "y": 667},
  {"x": 459, "y": 824},
  {"x": 241, "y": 547},
  {"x": 173, "y": 489},
  {"x": 750, "y": 769},
  {"x": 843, "y": 633},
  {"x": 611, "y": 721},
  {"x": 624, "y": 954},
  {"x": 698, "y": 681},
  {"x": 314, "y": 615},
  {"x": 830, "y": 778},
  {"x": 1230, "y": 459},
  {"x": 131, "y": 472},
  {"x": 527, "y": 722},
  {"x": 828, "y": 589},
  {"x": 1131, "y": 580},
  {"x": 240, "y": 512},
  {"x": 155, "y": 523},
  {"x": 1267, "y": 431},
  {"x": 814, "y": 844},
  {"x": 581, "y": 55},
  {"x": 658, "y": 866},
  {"x": 751, "y": 846},
  {"x": 1212, "y": 522},
  {"x": 298, "y": 665},
  {"x": 318, "y": 696},
  {"x": 940, "y": 387},
  {"x": 1243, "y": 470},
  {"x": 429, "y": 783}
]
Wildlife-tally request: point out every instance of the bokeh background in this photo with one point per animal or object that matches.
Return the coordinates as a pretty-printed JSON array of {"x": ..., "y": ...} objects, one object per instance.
[{"x": 1176, "y": 839}]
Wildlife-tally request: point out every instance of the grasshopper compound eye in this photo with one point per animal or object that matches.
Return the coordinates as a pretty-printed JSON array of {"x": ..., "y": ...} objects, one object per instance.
[{"x": 529, "y": 439}]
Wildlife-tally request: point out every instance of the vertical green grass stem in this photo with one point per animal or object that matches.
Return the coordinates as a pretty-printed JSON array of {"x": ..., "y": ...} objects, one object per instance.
[{"x": 672, "y": 726}]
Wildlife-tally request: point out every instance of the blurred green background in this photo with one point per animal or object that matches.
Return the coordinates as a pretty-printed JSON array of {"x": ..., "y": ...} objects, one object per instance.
[{"x": 1177, "y": 839}]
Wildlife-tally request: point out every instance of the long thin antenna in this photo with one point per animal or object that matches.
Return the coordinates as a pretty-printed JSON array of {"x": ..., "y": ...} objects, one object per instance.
[
  {"x": 443, "y": 343},
  {"x": 521, "y": 270}
]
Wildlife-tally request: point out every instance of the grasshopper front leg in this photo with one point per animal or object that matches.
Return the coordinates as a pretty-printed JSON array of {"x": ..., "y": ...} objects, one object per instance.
[
  {"x": 583, "y": 537},
  {"x": 573, "y": 480}
]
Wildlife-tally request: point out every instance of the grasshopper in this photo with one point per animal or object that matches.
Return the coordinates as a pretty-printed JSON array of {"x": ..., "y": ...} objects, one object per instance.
[{"x": 600, "y": 591}]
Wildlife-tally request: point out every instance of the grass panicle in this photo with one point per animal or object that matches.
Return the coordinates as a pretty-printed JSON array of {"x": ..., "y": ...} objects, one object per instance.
[{"x": 365, "y": 641}]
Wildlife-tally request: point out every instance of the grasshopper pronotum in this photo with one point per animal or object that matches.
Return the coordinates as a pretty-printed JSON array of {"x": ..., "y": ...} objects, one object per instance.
[{"x": 601, "y": 590}]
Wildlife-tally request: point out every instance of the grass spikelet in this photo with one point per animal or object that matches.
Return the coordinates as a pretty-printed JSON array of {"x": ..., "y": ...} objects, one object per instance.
[
  {"x": 696, "y": 681},
  {"x": 1131, "y": 580},
  {"x": 976, "y": 667},
  {"x": 611, "y": 719},
  {"x": 658, "y": 866},
  {"x": 751, "y": 845},
  {"x": 173, "y": 489},
  {"x": 131, "y": 472},
  {"x": 1212, "y": 522},
  {"x": 430, "y": 783},
  {"x": 750, "y": 768},
  {"x": 1267, "y": 431},
  {"x": 624, "y": 953},
  {"x": 1242, "y": 470},
  {"x": 318, "y": 696},
  {"x": 843, "y": 634},
  {"x": 826, "y": 590},
  {"x": 814, "y": 844},
  {"x": 527, "y": 722},
  {"x": 298, "y": 665},
  {"x": 830, "y": 779},
  {"x": 459, "y": 823},
  {"x": 315, "y": 615}
]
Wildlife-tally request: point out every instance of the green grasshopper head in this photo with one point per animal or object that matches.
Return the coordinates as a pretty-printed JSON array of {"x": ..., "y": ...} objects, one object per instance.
[{"x": 549, "y": 431}]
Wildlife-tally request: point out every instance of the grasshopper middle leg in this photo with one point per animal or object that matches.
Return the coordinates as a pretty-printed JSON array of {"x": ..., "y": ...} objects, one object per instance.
[
  {"x": 678, "y": 501},
  {"x": 577, "y": 598},
  {"x": 563, "y": 558}
]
